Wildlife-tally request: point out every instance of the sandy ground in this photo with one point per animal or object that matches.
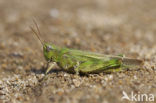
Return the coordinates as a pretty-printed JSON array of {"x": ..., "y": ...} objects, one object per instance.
[{"x": 104, "y": 26}]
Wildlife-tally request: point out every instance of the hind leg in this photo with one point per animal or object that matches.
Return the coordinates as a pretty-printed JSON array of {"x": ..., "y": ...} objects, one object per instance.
[
  {"x": 113, "y": 70},
  {"x": 116, "y": 69}
]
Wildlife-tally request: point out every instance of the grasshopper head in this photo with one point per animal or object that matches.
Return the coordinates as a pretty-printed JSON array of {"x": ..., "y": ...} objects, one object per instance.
[{"x": 49, "y": 51}]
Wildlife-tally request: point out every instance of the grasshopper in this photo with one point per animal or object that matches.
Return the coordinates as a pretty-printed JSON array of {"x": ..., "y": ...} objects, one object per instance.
[{"x": 78, "y": 61}]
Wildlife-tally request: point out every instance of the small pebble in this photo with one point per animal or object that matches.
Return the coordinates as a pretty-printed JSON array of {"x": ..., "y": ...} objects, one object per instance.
[{"x": 76, "y": 82}]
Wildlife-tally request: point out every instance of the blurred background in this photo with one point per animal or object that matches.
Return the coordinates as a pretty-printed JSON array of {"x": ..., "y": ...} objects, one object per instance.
[{"x": 104, "y": 26}]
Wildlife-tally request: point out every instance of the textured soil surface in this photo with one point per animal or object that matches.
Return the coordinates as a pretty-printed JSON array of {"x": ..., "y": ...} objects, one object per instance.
[{"x": 103, "y": 26}]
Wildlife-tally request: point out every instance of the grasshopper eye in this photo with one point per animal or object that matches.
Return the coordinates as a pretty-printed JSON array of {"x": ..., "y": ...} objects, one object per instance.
[{"x": 49, "y": 48}]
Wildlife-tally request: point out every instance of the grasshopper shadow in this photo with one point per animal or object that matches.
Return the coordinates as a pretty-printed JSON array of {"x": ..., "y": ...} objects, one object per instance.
[{"x": 42, "y": 70}]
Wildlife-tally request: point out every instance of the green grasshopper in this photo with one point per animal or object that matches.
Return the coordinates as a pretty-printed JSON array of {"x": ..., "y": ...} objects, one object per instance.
[{"x": 77, "y": 61}]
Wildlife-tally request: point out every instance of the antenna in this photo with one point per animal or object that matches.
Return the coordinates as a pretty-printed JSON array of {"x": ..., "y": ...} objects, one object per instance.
[{"x": 34, "y": 31}]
